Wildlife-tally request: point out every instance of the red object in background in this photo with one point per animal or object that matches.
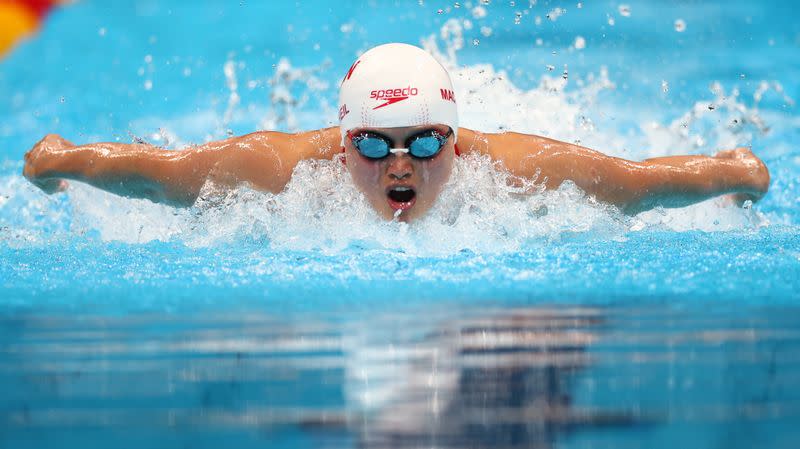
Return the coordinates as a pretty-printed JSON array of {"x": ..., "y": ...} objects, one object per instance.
[
  {"x": 38, "y": 7},
  {"x": 20, "y": 18}
]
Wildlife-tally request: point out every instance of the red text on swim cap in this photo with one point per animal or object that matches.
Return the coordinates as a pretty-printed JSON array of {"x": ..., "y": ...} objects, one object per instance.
[
  {"x": 393, "y": 95},
  {"x": 343, "y": 112},
  {"x": 448, "y": 95}
]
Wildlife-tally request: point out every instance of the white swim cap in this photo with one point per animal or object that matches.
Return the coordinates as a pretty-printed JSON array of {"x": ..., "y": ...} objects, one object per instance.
[{"x": 396, "y": 85}]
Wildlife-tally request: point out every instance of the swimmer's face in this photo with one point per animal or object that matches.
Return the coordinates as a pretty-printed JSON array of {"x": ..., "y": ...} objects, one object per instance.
[{"x": 400, "y": 181}]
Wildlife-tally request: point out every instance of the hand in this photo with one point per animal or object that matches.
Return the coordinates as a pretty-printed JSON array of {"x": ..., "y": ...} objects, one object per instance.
[
  {"x": 39, "y": 161},
  {"x": 756, "y": 180}
]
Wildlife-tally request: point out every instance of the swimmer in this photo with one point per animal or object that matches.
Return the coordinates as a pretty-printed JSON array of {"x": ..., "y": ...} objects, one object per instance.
[{"x": 399, "y": 134}]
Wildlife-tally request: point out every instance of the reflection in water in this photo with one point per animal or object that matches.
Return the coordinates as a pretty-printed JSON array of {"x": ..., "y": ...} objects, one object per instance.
[
  {"x": 535, "y": 377},
  {"x": 502, "y": 380}
]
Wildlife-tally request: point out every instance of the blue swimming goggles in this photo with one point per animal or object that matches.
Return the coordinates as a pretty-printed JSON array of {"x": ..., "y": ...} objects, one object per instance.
[{"x": 423, "y": 145}]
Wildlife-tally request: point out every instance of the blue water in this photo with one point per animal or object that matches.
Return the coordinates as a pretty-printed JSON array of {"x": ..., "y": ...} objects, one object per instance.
[{"x": 253, "y": 320}]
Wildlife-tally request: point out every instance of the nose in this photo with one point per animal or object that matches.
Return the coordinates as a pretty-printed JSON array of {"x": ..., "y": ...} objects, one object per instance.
[{"x": 400, "y": 166}]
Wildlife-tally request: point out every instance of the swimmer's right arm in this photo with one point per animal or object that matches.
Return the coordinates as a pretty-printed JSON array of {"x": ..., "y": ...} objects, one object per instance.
[{"x": 264, "y": 160}]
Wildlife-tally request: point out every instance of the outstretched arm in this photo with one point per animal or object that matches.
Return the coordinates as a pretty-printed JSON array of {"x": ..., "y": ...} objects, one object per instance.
[
  {"x": 674, "y": 181},
  {"x": 265, "y": 160}
]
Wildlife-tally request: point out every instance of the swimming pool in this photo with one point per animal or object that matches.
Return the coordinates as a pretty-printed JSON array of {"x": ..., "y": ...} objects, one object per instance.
[{"x": 301, "y": 320}]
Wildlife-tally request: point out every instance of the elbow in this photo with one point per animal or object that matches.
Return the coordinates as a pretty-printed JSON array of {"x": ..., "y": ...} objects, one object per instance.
[
  {"x": 631, "y": 189},
  {"x": 632, "y": 201},
  {"x": 159, "y": 195},
  {"x": 637, "y": 206}
]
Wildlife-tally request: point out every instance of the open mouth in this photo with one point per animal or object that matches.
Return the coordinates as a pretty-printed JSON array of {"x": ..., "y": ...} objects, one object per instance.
[{"x": 401, "y": 197}]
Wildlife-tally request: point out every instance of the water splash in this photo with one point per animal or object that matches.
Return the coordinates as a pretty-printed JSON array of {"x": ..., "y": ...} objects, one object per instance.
[
  {"x": 482, "y": 209},
  {"x": 555, "y": 13},
  {"x": 284, "y": 103},
  {"x": 233, "y": 86},
  {"x": 723, "y": 122}
]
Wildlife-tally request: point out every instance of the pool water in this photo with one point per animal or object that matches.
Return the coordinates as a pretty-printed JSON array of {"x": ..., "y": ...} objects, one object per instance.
[{"x": 502, "y": 319}]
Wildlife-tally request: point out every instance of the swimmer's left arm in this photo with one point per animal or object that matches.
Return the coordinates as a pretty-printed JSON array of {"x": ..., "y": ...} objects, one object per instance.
[{"x": 674, "y": 181}]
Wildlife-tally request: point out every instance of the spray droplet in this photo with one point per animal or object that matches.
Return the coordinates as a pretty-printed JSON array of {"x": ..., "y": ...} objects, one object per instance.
[
  {"x": 565, "y": 74},
  {"x": 580, "y": 43},
  {"x": 148, "y": 85},
  {"x": 550, "y": 67},
  {"x": 101, "y": 32},
  {"x": 475, "y": 42},
  {"x": 539, "y": 41},
  {"x": 555, "y": 13},
  {"x": 624, "y": 10},
  {"x": 439, "y": 11},
  {"x": 457, "y": 5},
  {"x": 62, "y": 99},
  {"x": 680, "y": 25},
  {"x": 486, "y": 31},
  {"x": 711, "y": 107},
  {"x": 664, "y": 86},
  {"x": 517, "y": 18},
  {"x": 611, "y": 20}
]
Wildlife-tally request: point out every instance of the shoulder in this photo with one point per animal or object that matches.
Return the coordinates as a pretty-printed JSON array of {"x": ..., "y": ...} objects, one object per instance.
[
  {"x": 471, "y": 141},
  {"x": 318, "y": 144},
  {"x": 500, "y": 145},
  {"x": 314, "y": 144}
]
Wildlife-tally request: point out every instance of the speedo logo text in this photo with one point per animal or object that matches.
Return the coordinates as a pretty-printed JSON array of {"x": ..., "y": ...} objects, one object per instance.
[{"x": 393, "y": 95}]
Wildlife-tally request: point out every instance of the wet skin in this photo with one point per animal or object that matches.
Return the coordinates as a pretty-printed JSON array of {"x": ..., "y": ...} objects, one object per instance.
[
  {"x": 265, "y": 160},
  {"x": 375, "y": 178}
]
